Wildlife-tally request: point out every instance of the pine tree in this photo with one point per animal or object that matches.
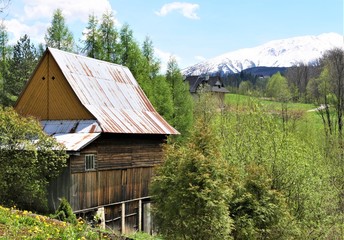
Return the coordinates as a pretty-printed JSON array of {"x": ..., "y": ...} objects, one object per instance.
[
  {"x": 108, "y": 38},
  {"x": 150, "y": 71},
  {"x": 131, "y": 55},
  {"x": 58, "y": 35},
  {"x": 182, "y": 118},
  {"x": 161, "y": 97},
  {"x": 92, "y": 42},
  {"x": 22, "y": 64},
  {"x": 148, "y": 53}
]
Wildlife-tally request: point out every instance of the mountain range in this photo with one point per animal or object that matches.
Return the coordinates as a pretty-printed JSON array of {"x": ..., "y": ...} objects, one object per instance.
[{"x": 274, "y": 54}]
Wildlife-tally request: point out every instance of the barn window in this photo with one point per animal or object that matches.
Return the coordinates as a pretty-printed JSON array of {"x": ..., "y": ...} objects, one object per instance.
[{"x": 90, "y": 162}]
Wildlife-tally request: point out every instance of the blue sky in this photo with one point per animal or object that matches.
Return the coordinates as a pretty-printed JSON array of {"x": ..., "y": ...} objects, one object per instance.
[{"x": 190, "y": 30}]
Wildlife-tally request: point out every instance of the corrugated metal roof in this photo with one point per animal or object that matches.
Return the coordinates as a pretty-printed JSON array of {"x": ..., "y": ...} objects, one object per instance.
[
  {"x": 70, "y": 126},
  {"x": 75, "y": 141},
  {"x": 73, "y": 134},
  {"x": 112, "y": 95}
]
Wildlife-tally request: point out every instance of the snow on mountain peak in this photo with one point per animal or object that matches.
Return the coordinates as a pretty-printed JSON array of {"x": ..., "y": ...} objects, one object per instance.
[{"x": 277, "y": 53}]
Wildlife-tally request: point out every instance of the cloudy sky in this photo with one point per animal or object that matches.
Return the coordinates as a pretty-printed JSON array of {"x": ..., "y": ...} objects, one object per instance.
[{"x": 192, "y": 30}]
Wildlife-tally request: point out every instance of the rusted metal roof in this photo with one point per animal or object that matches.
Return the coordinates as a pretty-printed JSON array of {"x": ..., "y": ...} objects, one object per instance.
[
  {"x": 111, "y": 94},
  {"x": 73, "y": 134},
  {"x": 75, "y": 141},
  {"x": 70, "y": 126}
]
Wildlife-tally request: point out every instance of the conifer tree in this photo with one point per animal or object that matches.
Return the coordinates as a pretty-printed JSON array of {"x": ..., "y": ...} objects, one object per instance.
[
  {"x": 161, "y": 97},
  {"x": 149, "y": 73},
  {"x": 192, "y": 189},
  {"x": 131, "y": 55},
  {"x": 22, "y": 64},
  {"x": 92, "y": 38},
  {"x": 182, "y": 118},
  {"x": 58, "y": 35},
  {"x": 4, "y": 64},
  {"x": 108, "y": 38},
  {"x": 148, "y": 53}
]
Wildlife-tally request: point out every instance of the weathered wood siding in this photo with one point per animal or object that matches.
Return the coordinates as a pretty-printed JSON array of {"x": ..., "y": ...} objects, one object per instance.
[
  {"x": 124, "y": 168},
  {"x": 121, "y": 152},
  {"x": 92, "y": 189},
  {"x": 49, "y": 96},
  {"x": 58, "y": 188}
]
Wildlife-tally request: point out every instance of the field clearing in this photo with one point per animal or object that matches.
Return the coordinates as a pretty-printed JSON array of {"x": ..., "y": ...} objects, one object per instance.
[
  {"x": 302, "y": 114},
  {"x": 236, "y": 99}
]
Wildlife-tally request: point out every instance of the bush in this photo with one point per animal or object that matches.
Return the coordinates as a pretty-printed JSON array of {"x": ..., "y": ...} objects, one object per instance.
[
  {"x": 192, "y": 189},
  {"x": 28, "y": 160},
  {"x": 65, "y": 213}
]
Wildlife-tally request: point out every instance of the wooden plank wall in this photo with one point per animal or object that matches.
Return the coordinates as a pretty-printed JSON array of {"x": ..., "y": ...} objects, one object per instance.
[
  {"x": 124, "y": 169},
  {"x": 59, "y": 188},
  {"x": 121, "y": 153},
  {"x": 92, "y": 189}
]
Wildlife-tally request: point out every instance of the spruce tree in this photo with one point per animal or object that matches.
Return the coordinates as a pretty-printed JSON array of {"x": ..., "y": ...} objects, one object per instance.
[{"x": 58, "y": 35}]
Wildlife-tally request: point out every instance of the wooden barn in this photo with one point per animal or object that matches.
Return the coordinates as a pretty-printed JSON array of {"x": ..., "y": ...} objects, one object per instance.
[
  {"x": 212, "y": 84},
  {"x": 111, "y": 131}
]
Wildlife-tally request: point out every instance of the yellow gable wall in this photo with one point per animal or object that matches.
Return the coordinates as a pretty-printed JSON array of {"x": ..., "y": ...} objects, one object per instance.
[{"x": 48, "y": 98}]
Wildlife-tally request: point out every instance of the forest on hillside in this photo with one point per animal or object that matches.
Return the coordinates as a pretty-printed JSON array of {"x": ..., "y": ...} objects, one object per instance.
[{"x": 248, "y": 170}]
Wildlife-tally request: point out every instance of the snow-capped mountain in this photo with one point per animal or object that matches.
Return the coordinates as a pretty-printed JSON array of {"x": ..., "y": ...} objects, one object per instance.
[{"x": 278, "y": 53}]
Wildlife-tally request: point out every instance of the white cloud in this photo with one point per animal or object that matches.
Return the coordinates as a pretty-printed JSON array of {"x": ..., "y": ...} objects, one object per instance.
[
  {"x": 77, "y": 10},
  {"x": 17, "y": 29},
  {"x": 33, "y": 17},
  {"x": 186, "y": 9}
]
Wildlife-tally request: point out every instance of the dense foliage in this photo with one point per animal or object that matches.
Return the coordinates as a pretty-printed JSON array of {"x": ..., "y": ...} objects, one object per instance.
[
  {"x": 28, "y": 160},
  {"x": 192, "y": 189},
  {"x": 281, "y": 179},
  {"x": 182, "y": 116}
]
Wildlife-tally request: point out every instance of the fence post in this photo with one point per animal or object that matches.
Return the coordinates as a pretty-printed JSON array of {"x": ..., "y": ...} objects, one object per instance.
[
  {"x": 140, "y": 215},
  {"x": 123, "y": 218}
]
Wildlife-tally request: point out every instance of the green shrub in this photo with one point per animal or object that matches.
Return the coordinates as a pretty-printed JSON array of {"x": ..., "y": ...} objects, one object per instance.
[{"x": 65, "y": 213}]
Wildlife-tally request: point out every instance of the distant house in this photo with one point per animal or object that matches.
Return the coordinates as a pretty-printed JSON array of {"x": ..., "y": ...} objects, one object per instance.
[
  {"x": 111, "y": 132},
  {"x": 213, "y": 84}
]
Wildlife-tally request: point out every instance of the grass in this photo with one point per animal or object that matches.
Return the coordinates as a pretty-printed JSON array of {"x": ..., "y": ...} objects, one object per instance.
[
  {"x": 144, "y": 236},
  {"x": 16, "y": 224},
  {"x": 299, "y": 111},
  {"x": 240, "y": 100}
]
